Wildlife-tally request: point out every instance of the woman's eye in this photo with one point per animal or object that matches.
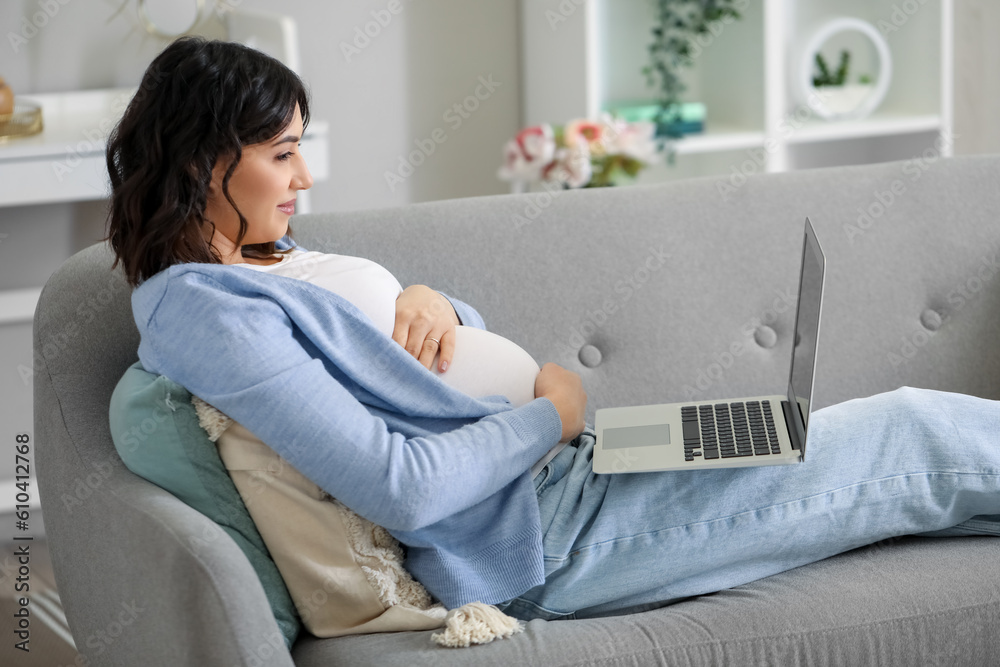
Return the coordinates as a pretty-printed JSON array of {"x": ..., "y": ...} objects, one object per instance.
[{"x": 285, "y": 156}]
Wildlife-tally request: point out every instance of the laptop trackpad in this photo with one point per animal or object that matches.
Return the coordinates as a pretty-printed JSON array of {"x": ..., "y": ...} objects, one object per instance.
[{"x": 636, "y": 436}]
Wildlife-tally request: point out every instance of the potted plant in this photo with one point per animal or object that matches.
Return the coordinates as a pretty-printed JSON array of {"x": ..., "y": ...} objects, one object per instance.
[
  {"x": 680, "y": 29},
  {"x": 840, "y": 96}
]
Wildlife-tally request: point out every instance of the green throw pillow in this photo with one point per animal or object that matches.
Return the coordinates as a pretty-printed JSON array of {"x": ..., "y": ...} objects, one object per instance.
[{"x": 156, "y": 432}]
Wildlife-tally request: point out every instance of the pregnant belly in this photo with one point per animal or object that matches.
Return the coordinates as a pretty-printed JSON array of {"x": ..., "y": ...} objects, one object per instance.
[{"x": 486, "y": 364}]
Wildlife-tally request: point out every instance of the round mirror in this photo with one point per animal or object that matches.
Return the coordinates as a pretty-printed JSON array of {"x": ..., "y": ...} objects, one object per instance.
[
  {"x": 846, "y": 69},
  {"x": 169, "y": 18}
]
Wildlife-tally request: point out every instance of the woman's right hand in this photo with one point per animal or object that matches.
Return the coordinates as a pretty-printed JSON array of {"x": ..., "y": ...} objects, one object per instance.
[{"x": 565, "y": 390}]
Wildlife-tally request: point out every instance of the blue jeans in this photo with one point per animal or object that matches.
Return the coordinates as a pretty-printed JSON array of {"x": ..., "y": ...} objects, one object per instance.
[{"x": 906, "y": 462}]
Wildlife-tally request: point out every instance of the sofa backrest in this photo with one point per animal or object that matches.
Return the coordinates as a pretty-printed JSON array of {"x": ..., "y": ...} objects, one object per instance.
[
  {"x": 658, "y": 293},
  {"x": 687, "y": 290}
]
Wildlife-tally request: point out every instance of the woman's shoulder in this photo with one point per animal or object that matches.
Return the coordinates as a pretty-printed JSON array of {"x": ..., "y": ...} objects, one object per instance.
[
  {"x": 186, "y": 281},
  {"x": 184, "y": 272}
]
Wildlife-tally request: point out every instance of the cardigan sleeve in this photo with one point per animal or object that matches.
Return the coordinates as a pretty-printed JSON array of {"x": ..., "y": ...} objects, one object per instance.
[
  {"x": 243, "y": 355},
  {"x": 467, "y": 315}
]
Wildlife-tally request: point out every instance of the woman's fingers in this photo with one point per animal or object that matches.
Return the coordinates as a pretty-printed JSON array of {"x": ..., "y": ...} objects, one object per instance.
[
  {"x": 425, "y": 326},
  {"x": 428, "y": 350},
  {"x": 447, "y": 351},
  {"x": 426, "y": 345},
  {"x": 411, "y": 331},
  {"x": 442, "y": 349}
]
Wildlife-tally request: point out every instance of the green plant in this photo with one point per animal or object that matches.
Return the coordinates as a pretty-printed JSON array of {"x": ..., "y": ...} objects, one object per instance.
[
  {"x": 679, "y": 23},
  {"x": 825, "y": 78}
]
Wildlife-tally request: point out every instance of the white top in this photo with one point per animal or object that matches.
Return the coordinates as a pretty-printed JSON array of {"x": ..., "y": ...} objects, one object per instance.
[
  {"x": 364, "y": 283},
  {"x": 484, "y": 364}
]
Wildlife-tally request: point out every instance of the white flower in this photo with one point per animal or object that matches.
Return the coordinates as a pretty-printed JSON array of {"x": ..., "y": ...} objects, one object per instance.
[
  {"x": 528, "y": 154},
  {"x": 571, "y": 167},
  {"x": 634, "y": 140}
]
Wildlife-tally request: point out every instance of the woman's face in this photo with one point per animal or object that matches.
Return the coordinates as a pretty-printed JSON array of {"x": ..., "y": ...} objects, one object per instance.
[{"x": 263, "y": 186}]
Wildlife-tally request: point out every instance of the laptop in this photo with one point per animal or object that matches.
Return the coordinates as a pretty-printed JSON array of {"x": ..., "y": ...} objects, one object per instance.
[{"x": 761, "y": 430}]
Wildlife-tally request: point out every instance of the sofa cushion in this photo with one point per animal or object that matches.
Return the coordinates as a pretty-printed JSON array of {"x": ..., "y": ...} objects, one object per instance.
[
  {"x": 344, "y": 574},
  {"x": 156, "y": 432}
]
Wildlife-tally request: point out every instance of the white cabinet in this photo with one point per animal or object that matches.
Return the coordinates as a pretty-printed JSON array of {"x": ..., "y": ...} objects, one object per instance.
[{"x": 581, "y": 57}]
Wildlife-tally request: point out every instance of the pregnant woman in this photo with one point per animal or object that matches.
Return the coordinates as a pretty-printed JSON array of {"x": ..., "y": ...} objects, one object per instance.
[
  {"x": 402, "y": 407},
  {"x": 205, "y": 168}
]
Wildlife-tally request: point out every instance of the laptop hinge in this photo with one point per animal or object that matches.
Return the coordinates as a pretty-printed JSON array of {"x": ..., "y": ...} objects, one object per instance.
[{"x": 791, "y": 426}]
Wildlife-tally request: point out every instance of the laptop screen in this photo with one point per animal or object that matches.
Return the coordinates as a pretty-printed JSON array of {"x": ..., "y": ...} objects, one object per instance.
[{"x": 800, "y": 384}]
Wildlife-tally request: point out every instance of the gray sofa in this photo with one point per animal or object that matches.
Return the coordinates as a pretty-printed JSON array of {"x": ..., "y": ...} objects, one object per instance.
[{"x": 651, "y": 293}]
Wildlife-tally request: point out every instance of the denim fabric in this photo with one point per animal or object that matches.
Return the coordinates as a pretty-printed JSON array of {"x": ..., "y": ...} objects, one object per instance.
[{"x": 910, "y": 461}]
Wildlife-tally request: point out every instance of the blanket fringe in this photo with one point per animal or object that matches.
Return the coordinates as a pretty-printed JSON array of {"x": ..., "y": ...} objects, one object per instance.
[
  {"x": 210, "y": 418},
  {"x": 475, "y": 623}
]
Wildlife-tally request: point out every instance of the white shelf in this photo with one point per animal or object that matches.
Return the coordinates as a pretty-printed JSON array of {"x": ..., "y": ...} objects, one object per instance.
[
  {"x": 874, "y": 126},
  {"x": 718, "y": 140},
  {"x": 76, "y": 122},
  {"x": 18, "y": 305},
  {"x": 579, "y": 59}
]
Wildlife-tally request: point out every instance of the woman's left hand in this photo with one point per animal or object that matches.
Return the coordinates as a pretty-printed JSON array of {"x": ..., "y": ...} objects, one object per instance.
[{"x": 425, "y": 325}]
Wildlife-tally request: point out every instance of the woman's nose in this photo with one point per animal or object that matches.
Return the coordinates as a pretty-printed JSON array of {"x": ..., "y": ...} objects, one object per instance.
[{"x": 302, "y": 179}]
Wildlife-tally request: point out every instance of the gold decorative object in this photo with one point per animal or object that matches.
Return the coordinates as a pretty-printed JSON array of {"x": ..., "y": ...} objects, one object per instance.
[
  {"x": 6, "y": 98},
  {"x": 25, "y": 121}
]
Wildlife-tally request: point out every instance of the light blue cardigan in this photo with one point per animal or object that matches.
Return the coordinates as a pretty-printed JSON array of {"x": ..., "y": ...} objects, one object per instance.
[{"x": 310, "y": 375}]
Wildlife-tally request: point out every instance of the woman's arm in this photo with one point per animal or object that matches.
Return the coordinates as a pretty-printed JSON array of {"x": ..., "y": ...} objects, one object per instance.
[
  {"x": 467, "y": 315},
  {"x": 245, "y": 356}
]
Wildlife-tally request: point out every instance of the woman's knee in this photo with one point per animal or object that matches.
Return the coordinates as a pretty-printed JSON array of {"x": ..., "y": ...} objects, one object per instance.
[{"x": 899, "y": 414}]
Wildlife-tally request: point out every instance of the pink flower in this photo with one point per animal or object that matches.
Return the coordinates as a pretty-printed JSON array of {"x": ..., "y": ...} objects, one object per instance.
[
  {"x": 528, "y": 154},
  {"x": 583, "y": 131}
]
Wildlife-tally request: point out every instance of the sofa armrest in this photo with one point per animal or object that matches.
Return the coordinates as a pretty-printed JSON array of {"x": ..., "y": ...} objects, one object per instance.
[{"x": 139, "y": 572}]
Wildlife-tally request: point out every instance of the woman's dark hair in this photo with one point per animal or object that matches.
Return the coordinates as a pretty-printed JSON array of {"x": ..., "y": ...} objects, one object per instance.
[{"x": 199, "y": 101}]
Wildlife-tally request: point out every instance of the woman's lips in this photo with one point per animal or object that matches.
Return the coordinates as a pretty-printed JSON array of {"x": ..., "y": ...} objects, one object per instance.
[{"x": 288, "y": 207}]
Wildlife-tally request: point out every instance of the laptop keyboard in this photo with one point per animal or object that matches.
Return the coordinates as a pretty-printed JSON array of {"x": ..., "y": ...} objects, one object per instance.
[{"x": 727, "y": 430}]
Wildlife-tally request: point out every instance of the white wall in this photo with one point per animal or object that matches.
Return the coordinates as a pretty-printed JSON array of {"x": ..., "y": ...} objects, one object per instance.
[{"x": 977, "y": 85}]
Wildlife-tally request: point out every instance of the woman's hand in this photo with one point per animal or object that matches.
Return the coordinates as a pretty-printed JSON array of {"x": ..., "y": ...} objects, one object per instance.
[
  {"x": 565, "y": 390},
  {"x": 425, "y": 325}
]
